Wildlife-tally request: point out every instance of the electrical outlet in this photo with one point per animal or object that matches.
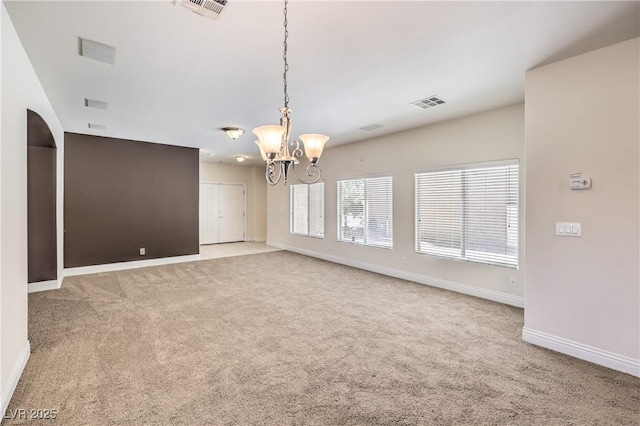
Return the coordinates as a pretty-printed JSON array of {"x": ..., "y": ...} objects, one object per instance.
[
  {"x": 328, "y": 246},
  {"x": 513, "y": 281},
  {"x": 143, "y": 251},
  {"x": 577, "y": 181},
  {"x": 404, "y": 260}
]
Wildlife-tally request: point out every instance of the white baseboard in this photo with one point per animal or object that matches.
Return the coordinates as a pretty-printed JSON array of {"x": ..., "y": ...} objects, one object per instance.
[
  {"x": 14, "y": 377},
  {"x": 44, "y": 285},
  {"x": 120, "y": 266},
  {"x": 582, "y": 351},
  {"x": 483, "y": 293}
]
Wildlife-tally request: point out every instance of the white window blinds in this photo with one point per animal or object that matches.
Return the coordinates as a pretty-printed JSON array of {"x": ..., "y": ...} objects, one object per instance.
[
  {"x": 469, "y": 213},
  {"x": 365, "y": 211},
  {"x": 307, "y": 209},
  {"x": 316, "y": 210}
]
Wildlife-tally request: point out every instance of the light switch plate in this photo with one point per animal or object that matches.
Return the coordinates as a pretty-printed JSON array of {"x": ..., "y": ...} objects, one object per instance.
[{"x": 568, "y": 229}]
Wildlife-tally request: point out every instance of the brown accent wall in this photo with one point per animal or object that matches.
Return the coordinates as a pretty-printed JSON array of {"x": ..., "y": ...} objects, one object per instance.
[{"x": 122, "y": 195}]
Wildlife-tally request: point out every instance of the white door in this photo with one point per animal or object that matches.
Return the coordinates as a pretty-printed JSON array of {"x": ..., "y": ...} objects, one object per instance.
[
  {"x": 231, "y": 218},
  {"x": 209, "y": 212},
  {"x": 221, "y": 213}
]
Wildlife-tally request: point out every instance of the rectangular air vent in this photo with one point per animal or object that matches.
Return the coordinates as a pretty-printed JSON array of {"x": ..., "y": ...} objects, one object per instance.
[
  {"x": 93, "y": 103},
  {"x": 429, "y": 102},
  {"x": 97, "y": 126},
  {"x": 371, "y": 127},
  {"x": 209, "y": 8},
  {"x": 97, "y": 51}
]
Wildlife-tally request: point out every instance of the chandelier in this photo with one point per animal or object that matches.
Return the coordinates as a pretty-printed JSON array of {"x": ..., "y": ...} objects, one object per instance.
[{"x": 280, "y": 154}]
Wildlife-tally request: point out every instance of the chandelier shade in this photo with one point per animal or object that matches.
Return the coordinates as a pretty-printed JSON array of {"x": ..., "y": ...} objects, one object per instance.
[
  {"x": 270, "y": 138},
  {"x": 313, "y": 145},
  {"x": 262, "y": 153}
]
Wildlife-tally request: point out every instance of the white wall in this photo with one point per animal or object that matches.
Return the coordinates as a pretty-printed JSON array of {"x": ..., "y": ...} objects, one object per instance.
[
  {"x": 21, "y": 90},
  {"x": 493, "y": 135},
  {"x": 256, "y": 197},
  {"x": 4, "y": 394},
  {"x": 583, "y": 294}
]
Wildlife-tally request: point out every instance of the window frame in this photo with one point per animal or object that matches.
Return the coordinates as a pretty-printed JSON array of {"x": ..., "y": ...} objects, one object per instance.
[
  {"x": 365, "y": 240},
  {"x": 512, "y": 262},
  {"x": 308, "y": 210}
]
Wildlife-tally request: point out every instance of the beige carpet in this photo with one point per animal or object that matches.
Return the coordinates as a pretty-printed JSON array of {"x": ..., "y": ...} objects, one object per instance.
[{"x": 243, "y": 340}]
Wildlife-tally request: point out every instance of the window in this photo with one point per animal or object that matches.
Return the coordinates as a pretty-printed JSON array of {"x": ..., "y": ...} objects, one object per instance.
[
  {"x": 365, "y": 211},
  {"x": 307, "y": 209},
  {"x": 469, "y": 213}
]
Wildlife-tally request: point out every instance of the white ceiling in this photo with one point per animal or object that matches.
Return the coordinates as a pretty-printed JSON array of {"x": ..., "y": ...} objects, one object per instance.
[{"x": 179, "y": 78}]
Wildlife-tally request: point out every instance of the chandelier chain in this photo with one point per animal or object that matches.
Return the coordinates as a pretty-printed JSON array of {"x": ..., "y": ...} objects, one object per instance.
[{"x": 284, "y": 56}]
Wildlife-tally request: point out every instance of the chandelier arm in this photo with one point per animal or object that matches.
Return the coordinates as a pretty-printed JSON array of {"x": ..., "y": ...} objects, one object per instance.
[
  {"x": 296, "y": 152},
  {"x": 313, "y": 171},
  {"x": 270, "y": 173}
]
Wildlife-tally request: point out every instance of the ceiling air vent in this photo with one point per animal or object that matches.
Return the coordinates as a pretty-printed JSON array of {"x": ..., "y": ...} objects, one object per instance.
[
  {"x": 97, "y": 126},
  {"x": 429, "y": 102},
  {"x": 209, "y": 8},
  {"x": 93, "y": 103},
  {"x": 96, "y": 50},
  {"x": 371, "y": 127}
]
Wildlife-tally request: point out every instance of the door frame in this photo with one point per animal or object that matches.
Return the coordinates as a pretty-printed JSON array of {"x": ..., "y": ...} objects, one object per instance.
[{"x": 244, "y": 203}]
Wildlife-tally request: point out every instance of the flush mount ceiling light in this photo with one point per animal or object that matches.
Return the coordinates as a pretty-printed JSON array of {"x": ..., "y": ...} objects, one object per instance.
[
  {"x": 273, "y": 140},
  {"x": 239, "y": 158},
  {"x": 233, "y": 132}
]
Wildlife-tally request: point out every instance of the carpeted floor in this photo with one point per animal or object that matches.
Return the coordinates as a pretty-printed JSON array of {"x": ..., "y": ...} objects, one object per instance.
[{"x": 244, "y": 340}]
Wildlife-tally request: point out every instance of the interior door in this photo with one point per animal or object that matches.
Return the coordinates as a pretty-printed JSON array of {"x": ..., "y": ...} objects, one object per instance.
[
  {"x": 209, "y": 212},
  {"x": 231, "y": 218}
]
